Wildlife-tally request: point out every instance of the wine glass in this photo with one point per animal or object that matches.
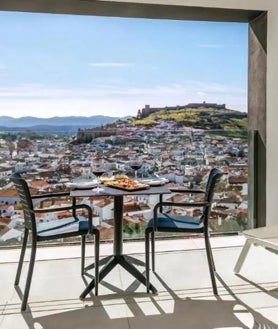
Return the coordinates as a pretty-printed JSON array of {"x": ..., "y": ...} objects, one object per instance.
[
  {"x": 135, "y": 163},
  {"x": 98, "y": 169}
]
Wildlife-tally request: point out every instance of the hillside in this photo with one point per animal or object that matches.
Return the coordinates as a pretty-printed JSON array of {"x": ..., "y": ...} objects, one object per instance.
[{"x": 199, "y": 118}]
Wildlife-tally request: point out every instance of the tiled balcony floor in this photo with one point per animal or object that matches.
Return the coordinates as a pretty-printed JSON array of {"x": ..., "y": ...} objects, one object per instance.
[{"x": 184, "y": 299}]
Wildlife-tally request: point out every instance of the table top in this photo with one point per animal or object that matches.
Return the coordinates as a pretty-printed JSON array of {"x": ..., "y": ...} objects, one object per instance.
[
  {"x": 264, "y": 236},
  {"x": 262, "y": 232},
  {"x": 110, "y": 191}
]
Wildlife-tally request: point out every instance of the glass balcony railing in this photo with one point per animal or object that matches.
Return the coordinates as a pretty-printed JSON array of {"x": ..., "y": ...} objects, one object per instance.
[{"x": 180, "y": 157}]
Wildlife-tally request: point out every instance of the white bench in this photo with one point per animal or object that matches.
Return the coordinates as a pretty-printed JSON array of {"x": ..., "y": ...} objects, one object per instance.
[{"x": 266, "y": 237}]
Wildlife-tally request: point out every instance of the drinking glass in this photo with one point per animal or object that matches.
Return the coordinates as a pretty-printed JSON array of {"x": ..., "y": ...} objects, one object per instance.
[
  {"x": 135, "y": 163},
  {"x": 98, "y": 169}
]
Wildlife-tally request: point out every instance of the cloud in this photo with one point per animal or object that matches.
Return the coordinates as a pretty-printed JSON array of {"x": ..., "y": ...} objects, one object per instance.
[
  {"x": 119, "y": 100},
  {"x": 110, "y": 64}
]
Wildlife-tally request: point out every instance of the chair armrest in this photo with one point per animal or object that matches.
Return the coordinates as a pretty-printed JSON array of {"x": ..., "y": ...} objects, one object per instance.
[
  {"x": 75, "y": 207},
  {"x": 50, "y": 195},
  {"x": 179, "y": 204},
  {"x": 55, "y": 209},
  {"x": 182, "y": 190}
]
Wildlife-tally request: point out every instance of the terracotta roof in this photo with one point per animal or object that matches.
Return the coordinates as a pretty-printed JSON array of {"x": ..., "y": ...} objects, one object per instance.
[
  {"x": 103, "y": 202},
  {"x": 5, "y": 220},
  {"x": 38, "y": 184},
  {"x": 106, "y": 233},
  {"x": 8, "y": 193},
  {"x": 5, "y": 169},
  {"x": 12, "y": 193}
]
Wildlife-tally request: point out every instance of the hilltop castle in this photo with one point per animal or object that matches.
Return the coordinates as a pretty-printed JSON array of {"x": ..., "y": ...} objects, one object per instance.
[{"x": 147, "y": 110}]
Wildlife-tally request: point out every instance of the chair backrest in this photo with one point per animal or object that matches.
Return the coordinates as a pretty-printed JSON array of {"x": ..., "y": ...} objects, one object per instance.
[
  {"x": 214, "y": 177},
  {"x": 25, "y": 200}
]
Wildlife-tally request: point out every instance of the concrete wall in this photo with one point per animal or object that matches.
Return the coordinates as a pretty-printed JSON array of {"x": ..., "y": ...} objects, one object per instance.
[{"x": 264, "y": 110}]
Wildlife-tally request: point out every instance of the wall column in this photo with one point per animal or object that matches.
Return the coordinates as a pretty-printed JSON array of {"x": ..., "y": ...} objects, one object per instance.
[{"x": 257, "y": 120}]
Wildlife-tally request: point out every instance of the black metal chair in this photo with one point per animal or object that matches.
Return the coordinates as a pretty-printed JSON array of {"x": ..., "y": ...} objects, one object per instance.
[
  {"x": 74, "y": 225},
  {"x": 167, "y": 222}
]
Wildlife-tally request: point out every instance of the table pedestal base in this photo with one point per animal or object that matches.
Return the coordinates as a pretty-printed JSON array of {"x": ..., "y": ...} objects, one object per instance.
[{"x": 126, "y": 263}]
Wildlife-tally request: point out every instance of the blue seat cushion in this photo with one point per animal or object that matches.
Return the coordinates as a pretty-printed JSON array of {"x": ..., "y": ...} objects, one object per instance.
[{"x": 176, "y": 222}]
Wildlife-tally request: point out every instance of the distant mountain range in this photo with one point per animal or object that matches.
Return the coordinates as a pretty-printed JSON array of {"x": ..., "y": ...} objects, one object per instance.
[
  {"x": 28, "y": 121},
  {"x": 68, "y": 124}
]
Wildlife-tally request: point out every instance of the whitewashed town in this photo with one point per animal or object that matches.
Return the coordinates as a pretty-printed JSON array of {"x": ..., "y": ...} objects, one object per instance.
[{"x": 179, "y": 155}]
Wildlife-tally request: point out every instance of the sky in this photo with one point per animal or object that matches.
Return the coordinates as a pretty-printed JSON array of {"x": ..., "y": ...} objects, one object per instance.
[{"x": 61, "y": 65}]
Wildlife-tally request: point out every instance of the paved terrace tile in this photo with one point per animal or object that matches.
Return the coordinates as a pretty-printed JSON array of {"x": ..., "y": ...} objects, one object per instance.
[{"x": 184, "y": 299}]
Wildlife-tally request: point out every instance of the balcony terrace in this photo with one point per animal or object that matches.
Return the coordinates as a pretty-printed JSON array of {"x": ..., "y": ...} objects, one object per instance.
[{"x": 184, "y": 298}]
